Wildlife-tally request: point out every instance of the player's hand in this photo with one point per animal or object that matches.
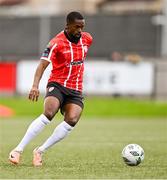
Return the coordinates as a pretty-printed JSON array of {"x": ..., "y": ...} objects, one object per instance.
[{"x": 34, "y": 94}]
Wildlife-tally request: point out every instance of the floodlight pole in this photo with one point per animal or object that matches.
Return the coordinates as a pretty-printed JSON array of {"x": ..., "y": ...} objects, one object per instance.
[
  {"x": 162, "y": 20},
  {"x": 164, "y": 31},
  {"x": 44, "y": 32}
]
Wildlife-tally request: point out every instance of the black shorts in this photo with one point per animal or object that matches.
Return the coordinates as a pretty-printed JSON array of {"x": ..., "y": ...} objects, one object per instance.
[{"x": 64, "y": 95}]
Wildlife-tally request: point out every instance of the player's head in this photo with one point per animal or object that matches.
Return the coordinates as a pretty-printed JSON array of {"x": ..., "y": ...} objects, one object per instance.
[{"x": 75, "y": 23}]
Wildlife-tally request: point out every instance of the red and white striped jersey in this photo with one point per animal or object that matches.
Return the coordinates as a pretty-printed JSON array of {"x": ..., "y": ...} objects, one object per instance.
[{"x": 67, "y": 60}]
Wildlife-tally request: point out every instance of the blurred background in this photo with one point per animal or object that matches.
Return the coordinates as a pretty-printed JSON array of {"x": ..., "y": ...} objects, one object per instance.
[
  {"x": 128, "y": 57},
  {"x": 125, "y": 85}
]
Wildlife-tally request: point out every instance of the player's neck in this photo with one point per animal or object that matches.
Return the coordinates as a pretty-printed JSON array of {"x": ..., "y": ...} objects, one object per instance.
[{"x": 71, "y": 37}]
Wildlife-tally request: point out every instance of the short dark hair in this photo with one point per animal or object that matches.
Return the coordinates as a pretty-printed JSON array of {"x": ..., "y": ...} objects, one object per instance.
[{"x": 72, "y": 16}]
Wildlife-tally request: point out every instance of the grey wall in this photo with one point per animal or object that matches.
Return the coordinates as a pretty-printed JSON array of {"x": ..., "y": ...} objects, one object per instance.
[
  {"x": 21, "y": 37},
  {"x": 125, "y": 34}
]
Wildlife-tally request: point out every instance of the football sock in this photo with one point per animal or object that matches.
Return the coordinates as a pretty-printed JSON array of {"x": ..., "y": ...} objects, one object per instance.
[
  {"x": 60, "y": 132},
  {"x": 34, "y": 129}
]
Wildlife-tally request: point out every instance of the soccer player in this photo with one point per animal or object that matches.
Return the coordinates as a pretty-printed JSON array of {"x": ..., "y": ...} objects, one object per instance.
[{"x": 67, "y": 52}]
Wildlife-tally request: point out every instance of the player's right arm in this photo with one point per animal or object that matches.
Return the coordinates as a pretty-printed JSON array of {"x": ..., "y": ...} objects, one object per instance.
[
  {"x": 46, "y": 59},
  {"x": 34, "y": 92}
]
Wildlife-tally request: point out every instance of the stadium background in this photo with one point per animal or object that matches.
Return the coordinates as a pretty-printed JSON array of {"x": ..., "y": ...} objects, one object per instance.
[{"x": 125, "y": 84}]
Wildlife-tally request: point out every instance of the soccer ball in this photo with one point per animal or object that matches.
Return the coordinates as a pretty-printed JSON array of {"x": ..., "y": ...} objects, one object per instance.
[{"x": 133, "y": 154}]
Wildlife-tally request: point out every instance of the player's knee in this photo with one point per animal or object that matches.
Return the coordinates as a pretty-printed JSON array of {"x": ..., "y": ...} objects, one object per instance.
[
  {"x": 49, "y": 114},
  {"x": 72, "y": 119}
]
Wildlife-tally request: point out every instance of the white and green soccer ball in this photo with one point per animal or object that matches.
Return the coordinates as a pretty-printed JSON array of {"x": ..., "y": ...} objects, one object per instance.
[{"x": 133, "y": 154}]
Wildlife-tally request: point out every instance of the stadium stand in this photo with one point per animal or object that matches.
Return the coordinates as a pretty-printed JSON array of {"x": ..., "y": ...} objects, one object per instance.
[{"x": 131, "y": 6}]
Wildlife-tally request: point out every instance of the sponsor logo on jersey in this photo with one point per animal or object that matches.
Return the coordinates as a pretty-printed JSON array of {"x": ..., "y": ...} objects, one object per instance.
[{"x": 74, "y": 63}]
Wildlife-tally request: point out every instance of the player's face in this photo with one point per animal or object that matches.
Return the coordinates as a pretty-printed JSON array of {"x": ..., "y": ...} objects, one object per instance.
[{"x": 76, "y": 27}]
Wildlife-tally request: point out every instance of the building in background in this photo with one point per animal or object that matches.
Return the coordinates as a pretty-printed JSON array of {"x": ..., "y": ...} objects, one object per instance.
[
  {"x": 54, "y": 7},
  {"x": 130, "y": 6},
  {"x": 11, "y": 2},
  {"x": 50, "y": 7}
]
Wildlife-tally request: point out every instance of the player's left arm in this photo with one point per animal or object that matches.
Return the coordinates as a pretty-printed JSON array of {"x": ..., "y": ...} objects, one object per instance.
[{"x": 89, "y": 38}]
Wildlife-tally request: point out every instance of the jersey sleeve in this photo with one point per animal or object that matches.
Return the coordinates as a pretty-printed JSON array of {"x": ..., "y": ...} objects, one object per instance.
[
  {"x": 89, "y": 38},
  {"x": 50, "y": 51}
]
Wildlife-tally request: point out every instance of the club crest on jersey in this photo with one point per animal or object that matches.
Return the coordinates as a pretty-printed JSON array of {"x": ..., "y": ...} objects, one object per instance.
[{"x": 51, "y": 89}]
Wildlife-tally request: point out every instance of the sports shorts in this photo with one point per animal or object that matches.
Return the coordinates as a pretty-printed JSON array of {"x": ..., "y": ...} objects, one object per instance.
[{"x": 64, "y": 95}]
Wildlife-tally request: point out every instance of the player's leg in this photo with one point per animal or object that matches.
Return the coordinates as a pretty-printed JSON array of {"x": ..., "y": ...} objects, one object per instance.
[
  {"x": 51, "y": 106},
  {"x": 72, "y": 113}
]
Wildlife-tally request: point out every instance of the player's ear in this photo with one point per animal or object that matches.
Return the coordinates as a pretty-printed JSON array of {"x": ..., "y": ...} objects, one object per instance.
[{"x": 67, "y": 26}]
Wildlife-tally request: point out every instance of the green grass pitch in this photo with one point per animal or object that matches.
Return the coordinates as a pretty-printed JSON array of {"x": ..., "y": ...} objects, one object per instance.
[
  {"x": 91, "y": 151},
  {"x": 95, "y": 107}
]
